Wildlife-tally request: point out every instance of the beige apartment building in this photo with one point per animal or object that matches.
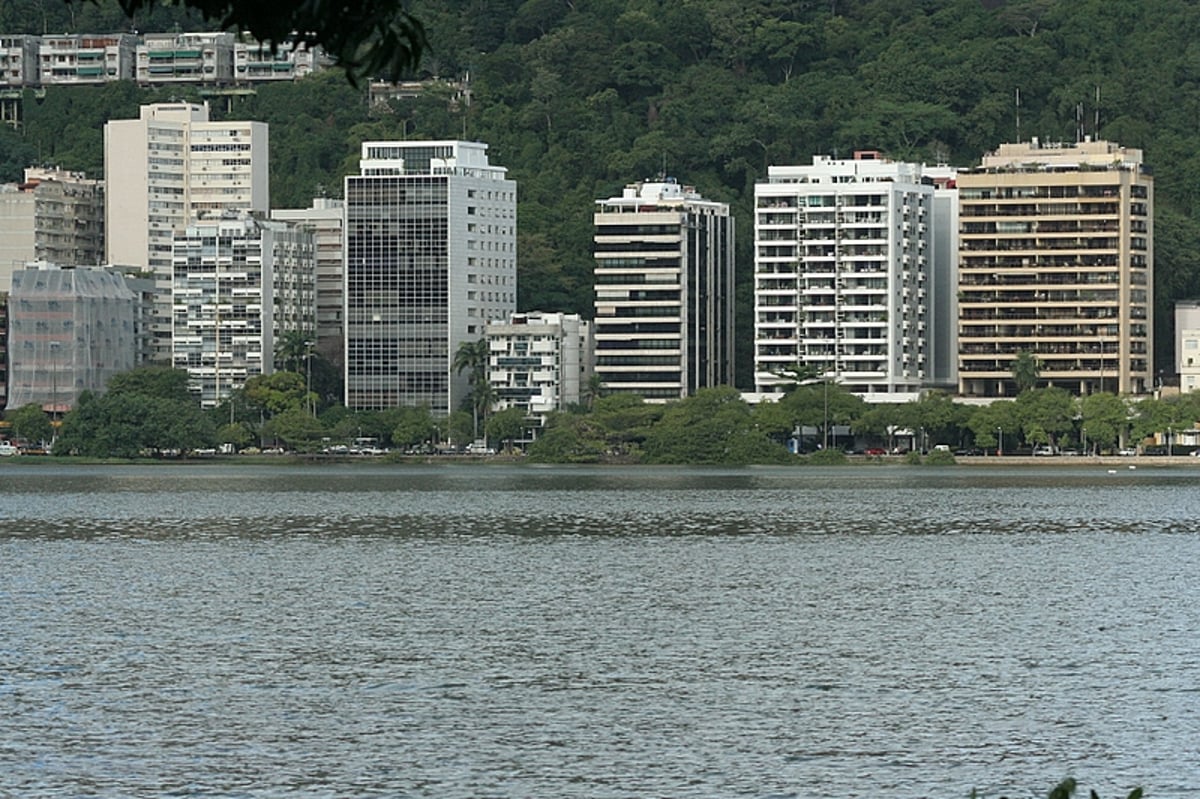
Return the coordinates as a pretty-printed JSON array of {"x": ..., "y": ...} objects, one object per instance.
[
  {"x": 1056, "y": 258},
  {"x": 165, "y": 169}
]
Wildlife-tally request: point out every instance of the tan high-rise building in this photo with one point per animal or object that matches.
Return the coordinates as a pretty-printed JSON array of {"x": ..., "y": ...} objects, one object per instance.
[
  {"x": 165, "y": 169},
  {"x": 1056, "y": 258},
  {"x": 664, "y": 291}
]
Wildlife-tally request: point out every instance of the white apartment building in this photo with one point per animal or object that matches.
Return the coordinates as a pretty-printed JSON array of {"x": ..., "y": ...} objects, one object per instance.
[
  {"x": 844, "y": 276},
  {"x": 430, "y": 260},
  {"x": 253, "y": 62},
  {"x": 19, "y": 61},
  {"x": 663, "y": 319},
  {"x": 539, "y": 362},
  {"x": 1057, "y": 259},
  {"x": 240, "y": 283},
  {"x": 326, "y": 218},
  {"x": 185, "y": 58},
  {"x": 86, "y": 59},
  {"x": 53, "y": 216},
  {"x": 1187, "y": 344},
  {"x": 165, "y": 169},
  {"x": 70, "y": 330}
]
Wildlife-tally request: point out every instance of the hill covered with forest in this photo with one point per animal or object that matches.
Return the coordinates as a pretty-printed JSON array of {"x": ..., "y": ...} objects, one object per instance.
[{"x": 579, "y": 97}]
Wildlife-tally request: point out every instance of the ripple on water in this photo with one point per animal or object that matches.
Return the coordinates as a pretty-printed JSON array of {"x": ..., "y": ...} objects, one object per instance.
[{"x": 682, "y": 633}]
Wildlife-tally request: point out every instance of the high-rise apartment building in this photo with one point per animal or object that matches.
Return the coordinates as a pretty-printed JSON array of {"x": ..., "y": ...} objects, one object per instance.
[
  {"x": 53, "y": 216},
  {"x": 430, "y": 260},
  {"x": 240, "y": 283},
  {"x": 539, "y": 362},
  {"x": 326, "y": 218},
  {"x": 163, "y": 170},
  {"x": 663, "y": 320},
  {"x": 844, "y": 275},
  {"x": 1057, "y": 260}
]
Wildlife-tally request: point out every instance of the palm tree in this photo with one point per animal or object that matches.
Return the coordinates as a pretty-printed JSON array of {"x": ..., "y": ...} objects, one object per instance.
[
  {"x": 1026, "y": 369},
  {"x": 472, "y": 356},
  {"x": 292, "y": 348}
]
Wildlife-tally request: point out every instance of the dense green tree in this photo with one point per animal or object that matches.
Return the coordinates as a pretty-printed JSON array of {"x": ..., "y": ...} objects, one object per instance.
[
  {"x": 276, "y": 392},
  {"x": 295, "y": 428},
  {"x": 1104, "y": 420},
  {"x": 624, "y": 420},
  {"x": 412, "y": 426},
  {"x": 1046, "y": 414},
  {"x": 30, "y": 423},
  {"x": 159, "y": 382},
  {"x": 567, "y": 438},
  {"x": 996, "y": 425},
  {"x": 713, "y": 426},
  {"x": 506, "y": 426},
  {"x": 126, "y": 424}
]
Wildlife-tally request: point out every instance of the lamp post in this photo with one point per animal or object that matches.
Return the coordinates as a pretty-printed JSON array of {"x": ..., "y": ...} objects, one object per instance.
[
  {"x": 55, "y": 346},
  {"x": 308, "y": 345},
  {"x": 825, "y": 428},
  {"x": 1000, "y": 441}
]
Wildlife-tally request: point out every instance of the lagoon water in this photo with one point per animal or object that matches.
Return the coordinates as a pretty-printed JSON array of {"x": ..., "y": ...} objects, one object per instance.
[{"x": 501, "y": 631}]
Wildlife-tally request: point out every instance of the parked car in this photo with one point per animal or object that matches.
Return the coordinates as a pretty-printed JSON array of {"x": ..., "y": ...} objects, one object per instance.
[
  {"x": 1045, "y": 449},
  {"x": 875, "y": 451}
]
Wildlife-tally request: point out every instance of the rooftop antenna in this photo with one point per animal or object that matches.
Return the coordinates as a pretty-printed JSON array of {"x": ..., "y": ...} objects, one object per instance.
[
  {"x": 1018, "y": 115},
  {"x": 1078, "y": 122},
  {"x": 1096, "y": 119}
]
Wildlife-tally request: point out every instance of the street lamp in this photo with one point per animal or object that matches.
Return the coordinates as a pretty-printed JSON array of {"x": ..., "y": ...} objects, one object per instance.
[
  {"x": 54, "y": 348},
  {"x": 308, "y": 377},
  {"x": 825, "y": 428},
  {"x": 1000, "y": 441}
]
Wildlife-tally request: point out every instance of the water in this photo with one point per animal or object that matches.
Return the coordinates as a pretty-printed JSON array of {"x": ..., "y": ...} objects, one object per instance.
[{"x": 581, "y": 632}]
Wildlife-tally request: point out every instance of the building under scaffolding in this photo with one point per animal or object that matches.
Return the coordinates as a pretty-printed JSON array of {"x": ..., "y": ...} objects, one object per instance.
[{"x": 70, "y": 330}]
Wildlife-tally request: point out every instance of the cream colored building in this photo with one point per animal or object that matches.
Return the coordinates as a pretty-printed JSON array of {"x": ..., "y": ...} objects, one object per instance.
[
  {"x": 53, "y": 216},
  {"x": 1056, "y": 258},
  {"x": 165, "y": 169}
]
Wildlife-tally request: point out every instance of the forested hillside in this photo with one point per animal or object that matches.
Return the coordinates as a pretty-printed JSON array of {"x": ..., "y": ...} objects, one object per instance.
[{"x": 579, "y": 97}]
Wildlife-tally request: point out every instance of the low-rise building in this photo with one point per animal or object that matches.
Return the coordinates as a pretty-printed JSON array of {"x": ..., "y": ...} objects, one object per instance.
[
  {"x": 18, "y": 61},
  {"x": 539, "y": 362},
  {"x": 255, "y": 62},
  {"x": 185, "y": 58},
  {"x": 88, "y": 59}
]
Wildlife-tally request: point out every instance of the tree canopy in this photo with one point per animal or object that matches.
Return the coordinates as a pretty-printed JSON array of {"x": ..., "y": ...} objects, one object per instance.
[{"x": 578, "y": 99}]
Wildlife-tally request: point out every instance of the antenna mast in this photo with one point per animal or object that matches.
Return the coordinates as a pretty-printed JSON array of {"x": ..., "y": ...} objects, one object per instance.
[{"x": 1018, "y": 115}]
